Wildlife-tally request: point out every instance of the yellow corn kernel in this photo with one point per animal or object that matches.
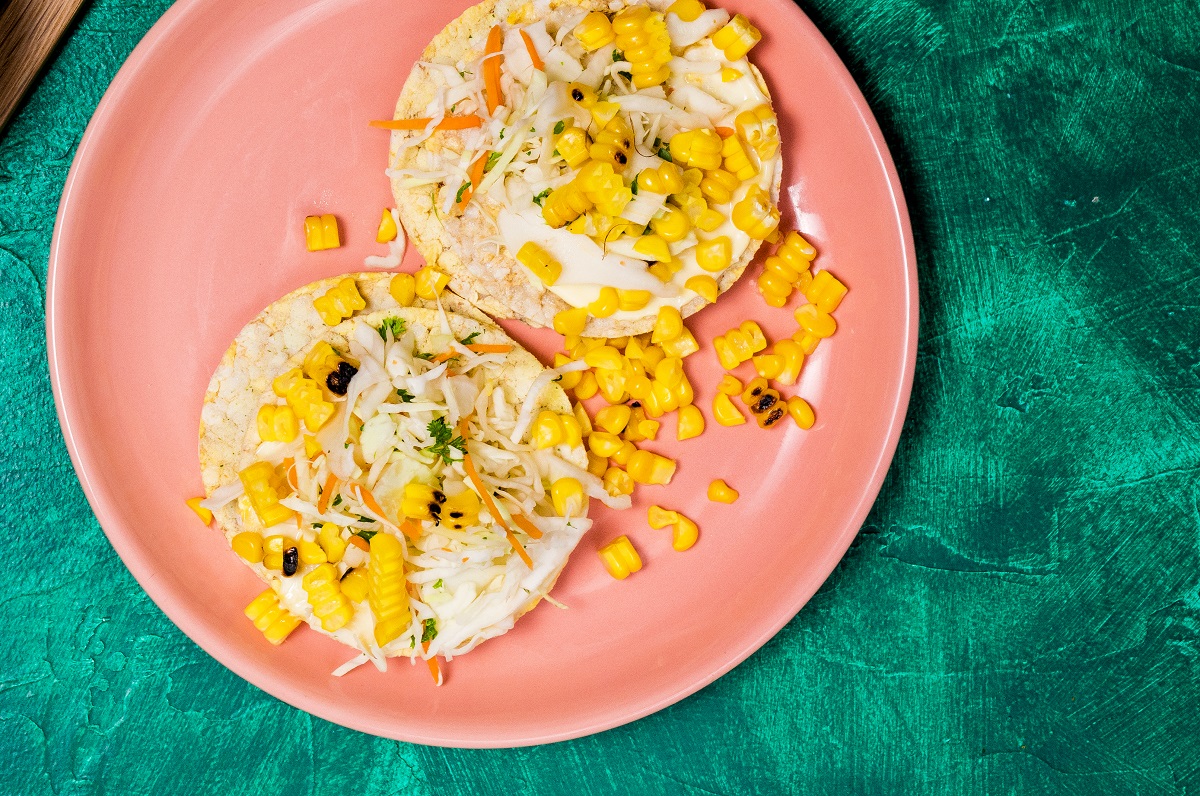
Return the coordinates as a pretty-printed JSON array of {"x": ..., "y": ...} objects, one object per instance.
[
  {"x": 204, "y": 514},
  {"x": 310, "y": 552},
  {"x": 638, "y": 385},
  {"x": 387, "y": 228},
  {"x": 653, "y": 247},
  {"x": 572, "y": 144},
  {"x": 721, "y": 492},
  {"x": 725, "y": 354},
  {"x": 758, "y": 341},
  {"x": 650, "y": 405},
  {"x": 729, "y": 385},
  {"x": 569, "y": 498},
  {"x": 430, "y": 282},
  {"x": 708, "y": 220},
  {"x": 659, "y": 518},
  {"x": 355, "y": 584},
  {"x": 774, "y": 289},
  {"x": 422, "y": 502},
  {"x": 249, "y": 546},
  {"x": 321, "y": 232},
  {"x": 614, "y": 419},
  {"x": 339, "y": 302},
  {"x": 584, "y": 95},
  {"x": 277, "y": 423},
  {"x": 275, "y": 621},
  {"x": 323, "y": 588},
  {"x": 718, "y": 186},
  {"x": 661, "y": 271},
  {"x": 539, "y": 261},
  {"x": 668, "y": 325},
  {"x": 700, "y": 148},
  {"x": 388, "y": 588},
  {"x": 604, "y": 443},
  {"x": 594, "y": 31},
  {"x": 665, "y": 178},
  {"x": 793, "y": 360},
  {"x": 633, "y": 300},
  {"x": 801, "y": 412},
  {"x": 572, "y": 431},
  {"x": 651, "y": 356},
  {"x": 571, "y": 321},
  {"x": 581, "y": 417},
  {"x": 617, "y": 482},
  {"x": 816, "y": 322},
  {"x": 587, "y": 386},
  {"x": 320, "y": 361},
  {"x": 826, "y": 291},
  {"x": 684, "y": 534},
  {"x": 597, "y": 465},
  {"x": 682, "y": 346},
  {"x": 759, "y": 128},
  {"x": 736, "y": 38},
  {"x": 754, "y": 390},
  {"x": 602, "y": 112},
  {"x": 756, "y": 214},
  {"x": 725, "y": 412},
  {"x": 796, "y": 251},
  {"x": 305, "y": 397},
  {"x": 262, "y": 484},
  {"x": 611, "y": 146},
  {"x": 729, "y": 74},
  {"x": 567, "y": 380},
  {"x": 704, "y": 286},
  {"x": 646, "y": 467},
  {"x": 606, "y": 304},
  {"x": 565, "y": 204},
  {"x": 273, "y": 550},
  {"x": 671, "y": 224},
  {"x": 624, "y": 453},
  {"x": 620, "y": 558},
  {"x": 740, "y": 343},
  {"x": 686, "y": 10},
  {"x": 462, "y": 510},
  {"x": 663, "y": 398},
  {"x": 769, "y": 366},
  {"x": 632, "y": 431},
  {"x": 691, "y": 423},
  {"x": 605, "y": 357},
  {"x": 782, "y": 268},
  {"x": 769, "y": 409},
  {"x": 716, "y": 254},
  {"x": 669, "y": 372},
  {"x": 403, "y": 288},
  {"x": 648, "y": 429},
  {"x": 547, "y": 430},
  {"x": 331, "y": 541}
]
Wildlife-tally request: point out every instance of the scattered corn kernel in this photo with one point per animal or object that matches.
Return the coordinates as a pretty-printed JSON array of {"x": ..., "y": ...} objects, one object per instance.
[
  {"x": 756, "y": 214},
  {"x": 646, "y": 467},
  {"x": 204, "y": 514},
  {"x": 715, "y": 255},
  {"x": 604, "y": 443},
  {"x": 571, "y": 321},
  {"x": 249, "y": 546},
  {"x": 633, "y": 300},
  {"x": 682, "y": 346},
  {"x": 594, "y": 31},
  {"x": 668, "y": 325},
  {"x": 324, "y": 591},
  {"x": 691, "y": 422},
  {"x": 620, "y": 558},
  {"x": 355, "y": 583},
  {"x": 793, "y": 361},
  {"x": 606, "y": 304},
  {"x": 331, "y": 541},
  {"x": 387, "y": 228},
  {"x": 704, "y": 285},
  {"x": 721, "y": 492},
  {"x": 736, "y": 38},
  {"x": 768, "y": 366},
  {"x": 587, "y": 386},
  {"x": 760, "y": 129},
  {"x": 801, "y": 412},
  {"x": 617, "y": 482},
  {"x": 275, "y": 621},
  {"x": 339, "y": 302},
  {"x": 659, "y": 518},
  {"x": 321, "y": 232},
  {"x": 826, "y": 291},
  {"x": 725, "y": 412},
  {"x": 569, "y": 498},
  {"x": 614, "y": 419},
  {"x": 539, "y": 261},
  {"x": 815, "y": 321},
  {"x": 277, "y": 423},
  {"x": 430, "y": 282},
  {"x": 684, "y": 534},
  {"x": 403, "y": 288}
]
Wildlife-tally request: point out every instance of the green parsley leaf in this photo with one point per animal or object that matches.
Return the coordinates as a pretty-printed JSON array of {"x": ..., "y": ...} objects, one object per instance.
[
  {"x": 537, "y": 200},
  {"x": 664, "y": 152},
  {"x": 430, "y": 632},
  {"x": 626, "y": 75},
  {"x": 423, "y": 355},
  {"x": 633, "y": 189},
  {"x": 558, "y": 128},
  {"x": 316, "y": 525},
  {"x": 364, "y": 519},
  {"x": 437, "y": 584},
  {"x": 501, "y": 133},
  {"x": 396, "y": 325},
  {"x": 337, "y": 499},
  {"x": 470, "y": 338},
  {"x": 461, "y": 190},
  {"x": 405, "y": 396},
  {"x": 491, "y": 161},
  {"x": 618, "y": 56},
  {"x": 365, "y": 535},
  {"x": 444, "y": 440}
]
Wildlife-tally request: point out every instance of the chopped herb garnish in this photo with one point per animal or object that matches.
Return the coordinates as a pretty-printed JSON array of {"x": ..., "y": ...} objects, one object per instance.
[
  {"x": 541, "y": 197},
  {"x": 558, "y": 128},
  {"x": 396, "y": 325},
  {"x": 556, "y": 153},
  {"x": 437, "y": 584},
  {"x": 662, "y": 150},
  {"x": 412, "y": 642},
  {"x": 461, "y": 190},
  {"x": 316, "y": 525},
  {"x": 626, "y": 75},
  {"x": 491, "y": 161},
  {"x": 423, "y": 355},
  {"x": 364, "y": 519},
  {"x": 501, "y": 133},
  {"x": 533, "y": 129},
  {"x": 405, "y": 396},
  {"x": 470, "y": 338},
  {"x": 444, "y": 440},
  {"x": 430, "y": 632},
  {"x": 366, "y": 535},
  {"x": 618, "y": 55},
  {"x": 633, "y": 187},
  {"x": 337, "y": 499}
]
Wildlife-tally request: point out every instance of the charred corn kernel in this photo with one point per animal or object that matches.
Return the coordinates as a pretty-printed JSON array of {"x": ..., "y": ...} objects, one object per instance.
[
  {"x": 756, "y": 214},
  {"x": 539, "y": 261},
  {"x": 584, "y": 95},
  {"x": 769, "y": 366},
  {"x": 682, "y": 346},
  {"x": 725, "y": 354},
  {"x": 388, "y": 230},
  {"x": 605, "y": 357},
  {"x": 668, "y": 325},
  {"x": 275, "y": 621},
  {"x": 700, "y": 148},
  {"x": 422, "y": 502},
  {"x": 331, "y": 541},
  {"x": 686, "y": 10},
  {"x": 569, "y": 498},
  {"x": 606, "y": 304},
  {"x": 669, "y": 372},
  {"x": 430, "y": 282},
  {"x": 307, "y": 400},
  {"x": 587, "y": 386},
  {"x": 403, "y": 288},
  {"x": 736, "y": 38},
  {"x": 716, "y": 254},
  {"x": 617, "y": 482},
  {"x": 729, "y": 74},
  {"x": 277, "y": 423},
  {"x": 273, "y": 549},
  {"x": 339, "y": 302},
  {"x": 604, "y": 443},
  {"x": 565, "y": 204},
  {"x": 604, "y": 188},
  {"x": 613, "y": 419},
  {"x": 204, "y": 514},
  {"x": 806, "y": 340},
  {"x": 638, "y": 385},
  {"x": 761, "y": 400},
  {"x": 691, "y": 423},
  {"x": 632, "y": 300},
  {"x": 815, "y": 321},
  {"x": 684, "y": 534},
  {"x": 624, "y": 453},
  {"x": 355, "y": 584},
  {"x": 594, "y": 31},
  {"x": 718, "y": 186},
  {"x": 793, "y": 360},
  {"x": 725, "y": 412},
  {"x": 664, "y": 178},
  {"x": 704, "y": 286},
  {"x": 571, "y": 321},
  {"x": 612, "y": 143},
  {"x": 653, "y": 247},
  {"x": 826, "y": 291},
  {"x": 263, "y": 485},
  {"x": 320, "y": 361},
  {"x": 646, "y": 467},
  {"x": 324, "y": 591},
  {"x": 772, "y": 416},
  {"x": 310, "y": 552},
  {"x": 461, "y": 511},
  {"x": 321, "y": 232},
  {"x": 620, "y": 558},
  {"x": 736, "y": 161},
  {"x": 758, "y": 340},
  {"x": 754, "y": 390},
  {"x": 387, "y": 594},
  {"x": 582, "y": 418},
  {"x": 671, "y": 224},
  {"x": 759, "y": 128},
  {"x": 249, "y": 546},
  {"x": 721, "y": 492},
  {"x": 572, "y": 144},
  {"x": 547, "y": 430},
  {"x": 597, "y": 465},
  {"x": 729, "y": 385},
  {"x": 572, "y": 431},
  {"x": 801, "y": 412},
  {"x": 774, "y": 289}
]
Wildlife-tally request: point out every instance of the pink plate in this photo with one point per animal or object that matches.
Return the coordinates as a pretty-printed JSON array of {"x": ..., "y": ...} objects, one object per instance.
[{"x": 182, "y": 218}]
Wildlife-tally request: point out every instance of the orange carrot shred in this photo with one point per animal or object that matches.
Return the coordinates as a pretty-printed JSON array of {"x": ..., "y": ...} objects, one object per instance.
[
  {"x": 492, "y": 508},
  {"x": 725, "y": 132},
  {"x": 359, "y": 542},
  {"x": 369, "y": 500},
  {"x": 434, "y": 668},
  {"x": 410, "y": 529},
  {"x": 475, "y": 176},
  {"x": 491, "y": 69},
  {"x": 326, "y": 493},
  {"x": 464, "y": 122},
  {"x": 442, "y": 357},
  {"x": 489, "y": 348},
  {"x": 533, "y": 56},
  {"x": 289, "y": 466},
  {"x": 527, "y": 526}
]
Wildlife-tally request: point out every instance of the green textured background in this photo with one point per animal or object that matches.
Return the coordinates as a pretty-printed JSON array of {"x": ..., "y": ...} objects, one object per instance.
[{"x": 1021, "y": 611}]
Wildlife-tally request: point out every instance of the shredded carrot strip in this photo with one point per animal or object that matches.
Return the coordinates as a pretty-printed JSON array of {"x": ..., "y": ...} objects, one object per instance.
[
  {"x": 491, "y": 70},
  {"x": 489, "y": 348},
  {"x": 533, "y": 56},
  {"x": 370, "y": 502},
  {"x": 725, "y": 132},
  {"x": 527, "y": 526},
  {"x": 326, "y": 493},
  {"x": 442, "y": 357},
  {"x": 434, "y": 668},
  {"x": 494, "y": 510},
  {"x": 410, "y": 529},
  {"x": 464, "y": 122},
  {"x": 512, "y": 540},
  {"x": 475, "y": 175},
  {"x": 359, "y": 542},
  {"x": 289, "y": 466}
]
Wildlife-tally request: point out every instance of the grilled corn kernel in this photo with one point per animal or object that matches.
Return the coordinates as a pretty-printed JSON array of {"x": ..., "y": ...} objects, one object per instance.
[
  {"x": 248, "y": 545},
  {"x": 604, "y": 443},
  {"x": 624, "y": 453},
  {"x": 686, "y": 10},
  {"x": 716, "y": 254},
  {"x": 321, "y": 232},
  {"x": 736, "y": 38},
  {"x": 617, "y": 482},
  {"x": 700, "y": 148},
  {"x": 668, "y": 325},
  {"x": 620, "y": 558},
  {"x": 721, "y": 492},
  {"x": 320, "y": 361},
  {"x": 565, "y": 204},
  {"x": 204, "y": 514},
  {"x": 275, "y": 621},
  {"x": 355, "y": 583},
  {"x": 793, "y": 361},
  {"x": 756, "y": 214},
  {"x": 584, "y": 95},
  {"x": 331, "y": 541},
  {"x": 718, "y": 186},
  {"x": 725, "y": 412},
  {"x": 323, "y": 588},
  {"x": 801, "y": 412},
  {"x": 704, "y": 286},
  {"x": 684, "y": 534},
  {"x": 597, "y": 465},
  {"x": 403, "y": 288},
  {"x": 758, "y": 341},
  {"x": 769, "y": 366},
  {"x": 387, "y": 594},
  {"x": 606, "y": 304},
  {"x": 571, "y": 321},
  {"x": 691, "y": 423},
  {"x": 277, "y": 423},
  {"x": 653, "y": 248},
  {"x": 759, "y": 128},
  {"x": 569, "y": 498},
  {"x": 665, "y": 178},
  {"x": 682, "y": 346},
  {"x": 613, "y": 142},
  {"x": 772, "y": 416},
  {"x": 754, "y": 390},
  {"x": 422, "y": 502},
  {"x": 826, "y": 291},
  {"x": 594, "y": 31},
  {"x": 587, "y": 386},
  {"x": 538, "y": 260},
  {"x": 613, "y": 419},
  {"x": 547, "y": 430},
  {"x": 815, "y": 321},
  {"x": 572, "y": 144},
  {"x": 729, "y": 385},
  {"x": 430, "y": 282},
  {"x": 339, "y": 302},
  {"x": 646, "y": 467}
]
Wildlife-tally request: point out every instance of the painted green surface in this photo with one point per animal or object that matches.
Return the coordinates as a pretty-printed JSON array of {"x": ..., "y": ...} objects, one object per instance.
[{"x": 1021, "y": 611}]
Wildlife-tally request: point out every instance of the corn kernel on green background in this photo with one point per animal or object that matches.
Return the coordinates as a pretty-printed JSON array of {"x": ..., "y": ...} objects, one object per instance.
[{"x": 1020, "y": 613}]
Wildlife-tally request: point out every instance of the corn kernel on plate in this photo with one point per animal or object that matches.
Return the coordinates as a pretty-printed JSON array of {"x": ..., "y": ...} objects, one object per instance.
[{"x": 751, "y": 437}]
